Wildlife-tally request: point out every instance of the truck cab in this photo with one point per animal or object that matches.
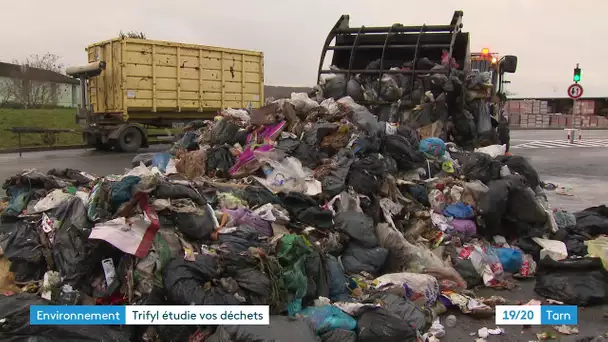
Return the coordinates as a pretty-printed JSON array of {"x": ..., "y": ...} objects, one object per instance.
[{"x": 496, "y": 66}]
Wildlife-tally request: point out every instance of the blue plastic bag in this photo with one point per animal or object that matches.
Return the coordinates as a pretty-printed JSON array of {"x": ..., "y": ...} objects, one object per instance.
[
  {"x": 433, "y": 147},
  {"x": 160, "y": 160},
  {"x": 327, "y": 318},
  {"x": 511, "y": 259},
  {"x": 338, "y": 284},
  {"x": 459, "y": 210},
  {"x": 19, "y": 198}
]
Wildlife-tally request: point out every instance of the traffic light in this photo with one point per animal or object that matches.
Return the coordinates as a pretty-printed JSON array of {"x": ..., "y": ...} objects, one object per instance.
[{"x": 577, "y": 74}]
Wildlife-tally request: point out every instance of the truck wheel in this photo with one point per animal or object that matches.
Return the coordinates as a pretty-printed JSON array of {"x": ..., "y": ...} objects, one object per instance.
[{"x": 129, "y": 140}]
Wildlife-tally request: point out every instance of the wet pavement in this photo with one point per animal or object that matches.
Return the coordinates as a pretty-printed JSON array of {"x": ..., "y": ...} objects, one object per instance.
[{"x": 583, "y": 169}]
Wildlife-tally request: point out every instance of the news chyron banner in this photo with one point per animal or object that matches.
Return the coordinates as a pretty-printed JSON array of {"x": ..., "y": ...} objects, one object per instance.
[{"x": 149, "y": 315}]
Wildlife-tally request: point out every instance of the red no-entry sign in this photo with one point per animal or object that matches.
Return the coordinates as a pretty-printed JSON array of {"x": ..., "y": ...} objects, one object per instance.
[{"x": 575, "y": 91}]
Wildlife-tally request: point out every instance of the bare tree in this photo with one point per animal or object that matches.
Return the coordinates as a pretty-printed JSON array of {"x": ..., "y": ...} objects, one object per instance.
[
  {"x": 30, "y": 85},
  {"x": 5, "y": 92}
]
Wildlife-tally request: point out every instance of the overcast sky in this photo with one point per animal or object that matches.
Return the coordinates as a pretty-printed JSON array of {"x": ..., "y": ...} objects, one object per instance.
[{"x": 548, "y": 36}]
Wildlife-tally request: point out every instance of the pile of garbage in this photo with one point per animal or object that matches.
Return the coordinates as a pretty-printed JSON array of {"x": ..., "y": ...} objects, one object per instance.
[{"x": 349, "y": 227}]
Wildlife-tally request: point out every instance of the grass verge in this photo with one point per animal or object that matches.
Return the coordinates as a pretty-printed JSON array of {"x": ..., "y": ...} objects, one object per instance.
[
  {"x": 40, "y": 118},
  {"x": 62, "y": 118}
]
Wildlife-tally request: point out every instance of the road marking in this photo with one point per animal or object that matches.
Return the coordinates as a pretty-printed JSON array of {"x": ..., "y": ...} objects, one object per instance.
[{"x": 563, "y": 144}]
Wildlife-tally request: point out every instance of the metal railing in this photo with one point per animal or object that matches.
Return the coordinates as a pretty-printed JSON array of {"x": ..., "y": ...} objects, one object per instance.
[{"x": 48, "y": 135}]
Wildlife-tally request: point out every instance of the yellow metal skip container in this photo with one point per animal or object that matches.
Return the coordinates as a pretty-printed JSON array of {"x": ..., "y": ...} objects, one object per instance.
[{"x": 146, "y": 79}]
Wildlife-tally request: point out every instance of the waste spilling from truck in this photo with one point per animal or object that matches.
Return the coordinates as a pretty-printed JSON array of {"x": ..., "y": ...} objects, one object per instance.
[{"x": 351, "y": 225}]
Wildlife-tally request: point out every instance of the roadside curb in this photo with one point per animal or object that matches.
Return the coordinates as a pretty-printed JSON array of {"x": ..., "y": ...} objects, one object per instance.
[
  {"x": 55, "y": 148},
  {"x": 42, "y": 149}
]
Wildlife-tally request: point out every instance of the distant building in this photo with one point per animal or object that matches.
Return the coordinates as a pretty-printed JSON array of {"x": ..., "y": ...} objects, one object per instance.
[{"x": 60, "y": 90}]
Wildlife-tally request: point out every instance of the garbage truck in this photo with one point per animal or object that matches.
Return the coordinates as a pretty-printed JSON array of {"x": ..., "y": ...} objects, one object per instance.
[
  {"x": 131, "y": 85},
  {"x": 374, "y": 52}
]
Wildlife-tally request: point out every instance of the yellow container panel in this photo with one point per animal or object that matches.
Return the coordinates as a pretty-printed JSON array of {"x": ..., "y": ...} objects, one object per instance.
[{"x": 156, "y": 76}]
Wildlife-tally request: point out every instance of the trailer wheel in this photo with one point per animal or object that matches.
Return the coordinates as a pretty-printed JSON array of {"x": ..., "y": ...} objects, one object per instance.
[
  {"x": 129, "y": 140},
  {"x": 103, "y": 147}
]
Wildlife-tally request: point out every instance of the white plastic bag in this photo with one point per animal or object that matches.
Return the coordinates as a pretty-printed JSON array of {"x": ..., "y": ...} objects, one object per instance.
[
  {"x": 554, "y": 249},
  {"x": 346, "y": 202},
  {"x": 493, "y": 150},
  {"x": 437, "y": 200},
  {"x": 417, "y": 259},
  {"x": 360, "y": 115},
  {"x": 302, "y": 103},
  {"x": 331, "y": 106},
  {"x": 424, "y": 288},
  {"x": 51, "y": 201},
  {"x": 487, "y": 264},
  {"x": 287, "y": 175},
  {"x": 238, "y": 114}
]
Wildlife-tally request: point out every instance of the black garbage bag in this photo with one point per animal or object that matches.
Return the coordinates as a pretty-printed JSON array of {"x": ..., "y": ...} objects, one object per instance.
[
  {"x": 581, "y": 281},
  {"x": 306, "y": 210},
  {"x": 169, "y": 190},
  {"x": 339, "y": 335},
  {"x": 400, "y": 306},
  {"x": 314, "y": 136},
  {"x": 410, "y": 135},
  {"x": 166, "y": 333},
  {"x": 309, "y": 155},
  {"x": 529, "y": 246},
  {"x": 378, "y": 324},
  {"x": 522, "y": 204},
  {"x": 241, "y": 239},
  {"x": 390, "y": 165},
  {"x": 365, "y": 175},
  {"x": 73, "y": 253},
  {"x": 520, "y": 165},
  {"x": 255, "y": 283},
  {"x": 467, "y": 271},
  {"x": 35, "y": 179},
  {"x": 335, "y": 87},
  {"x": 317, "y": 271},
  {"x": 145, "y": 158},
  {"x": 398, "y": 147},
  {"x": 280, "y": 329},
  {"x": 224, "y": 132},
  {"x": 76, "y": 177},
  {"x": 369, "y": 144},
  {"x": 420, "y": 193},
  {"x": 358, "y": 259},
  {"x": 464, "y": 128},
  {"x": 333, "y": 182},
  {"x": 593, "y": 221},
  {"x": 257, "y": 196},
  {"x": 492, "y": 206},
  {"x": 194, "y": 226},
  {"x": 388, "y": 113},
  {"x": 371, "y": 207},
  {"x": 15, "y": 326},
  {"x": 480, "y": 166},
  {"x": 358, "y": 227},
  {"x": 574, "y": 240},
  {"x": 23, "y": 249},
  {"x": 219, "y": 161},
  {"x": 183, "y": 280},
  {"x": 241, "y": 137}
]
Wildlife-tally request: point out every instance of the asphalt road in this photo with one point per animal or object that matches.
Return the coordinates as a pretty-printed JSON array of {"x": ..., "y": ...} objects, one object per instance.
[{"x": 579, "y": 168}]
